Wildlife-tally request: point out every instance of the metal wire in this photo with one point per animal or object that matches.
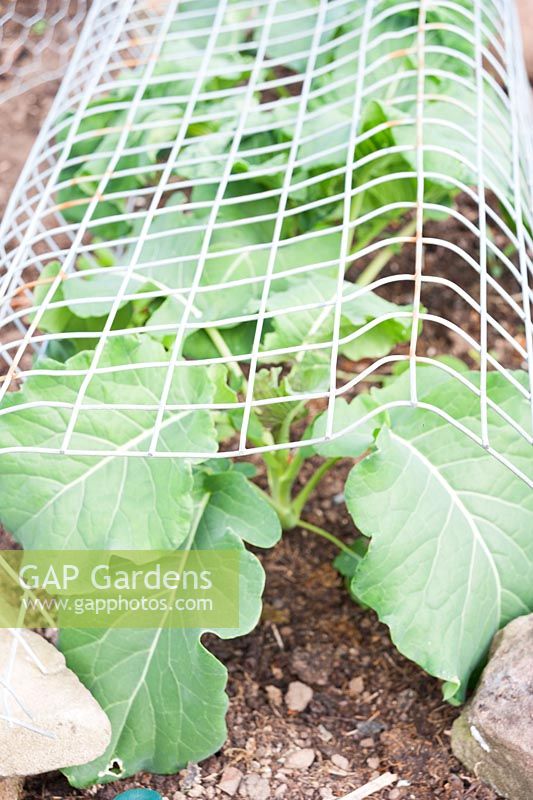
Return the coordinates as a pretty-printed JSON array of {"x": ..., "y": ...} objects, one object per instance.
[
  {"x": 163, "y": 110},
  {"x": 36, "y": 39}
]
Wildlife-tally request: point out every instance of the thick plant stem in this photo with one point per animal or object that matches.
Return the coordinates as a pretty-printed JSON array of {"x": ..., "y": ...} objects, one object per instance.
[
  {"x": 380, "y": 261},
  {"x": 329, "y": 536},
  {"x": 303, "y": 496},
  {"x": 220, "y": 344}
]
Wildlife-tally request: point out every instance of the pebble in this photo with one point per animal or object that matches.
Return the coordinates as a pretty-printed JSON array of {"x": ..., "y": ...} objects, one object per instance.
[
  {"x": 281, "y": 791},
  {"x": 373, "y": 763},
  {"x": 356, "y": 686},
  {"x": 395, "y": 794},
  {"x": 298, "y": 696},
  {"x": 369, "y": 742},
  {"x": 370, "y": 727},
  {"x": 274, "y": 695},
  {"x": 300, "y": 759},
  {"x": 196, "y": 791},
  {"x": 190, "y": 775},
  {"x": 230, "y": 780},
  {"x": 312, "y": 667},
  {"x": 178, "y": 796},
  {"x": 340, "y": 761},
  {"x": 324, "y": 734},
  {"x": 256, "y": 787}
]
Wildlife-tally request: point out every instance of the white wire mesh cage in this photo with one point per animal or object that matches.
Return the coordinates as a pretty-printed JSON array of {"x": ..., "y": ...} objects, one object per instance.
[
  {"x": 36, "y": 39},
  {"x": 316, "y": 193}
]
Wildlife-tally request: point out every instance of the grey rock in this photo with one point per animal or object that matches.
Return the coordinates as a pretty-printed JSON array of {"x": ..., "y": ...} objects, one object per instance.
[
  {"x": 78, "y": 730},
  {"x": 493, "y": 736},
  {"x": 370, "y": 727}
]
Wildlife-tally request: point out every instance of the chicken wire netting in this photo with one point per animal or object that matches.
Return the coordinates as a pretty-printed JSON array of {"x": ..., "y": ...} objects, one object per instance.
[
  {"x": 318, "y": 194},
  {"x": 36, "y": 39}
]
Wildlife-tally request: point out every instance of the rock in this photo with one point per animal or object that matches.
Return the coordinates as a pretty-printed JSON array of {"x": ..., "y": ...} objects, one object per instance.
[
  {"x": 11, "y": 788},
  {"x": 356, "y": 686},
  {"x": 340, "y": 761},
  {"x": 274, "y": 695},
  {"x": 369, "y": 742},
  {"x": 324, "y": 734},
  {"x": 256, "y": 787},
  {"x": 190, "y": 776},
  {"x": 60, "y": 705},
  {"x": 493, "y": 736},
  {"x": 300, "y": 759},
  {"x": 230, "y": 780},
  {"x": 312, "y": 666},
  {"x": 298, "y": 696},
  {"x": 373, "y": 762},
  {"x": 370, "y": 727}
]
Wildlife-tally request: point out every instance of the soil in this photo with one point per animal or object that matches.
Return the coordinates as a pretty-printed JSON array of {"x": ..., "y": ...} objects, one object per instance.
[{"x": 391, "y": 718}]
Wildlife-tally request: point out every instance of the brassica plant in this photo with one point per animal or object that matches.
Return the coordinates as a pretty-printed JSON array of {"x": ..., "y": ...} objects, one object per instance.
[{"x": 445, "y": 553}]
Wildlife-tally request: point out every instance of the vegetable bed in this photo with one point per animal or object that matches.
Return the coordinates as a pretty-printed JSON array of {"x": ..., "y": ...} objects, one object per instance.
[{"x": 259, "y": 303}]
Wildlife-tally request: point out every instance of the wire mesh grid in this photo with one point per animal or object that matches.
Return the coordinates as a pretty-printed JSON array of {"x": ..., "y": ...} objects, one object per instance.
[
  {"x": 36, "y": 39},
  {"x": 257, "y": 184}
]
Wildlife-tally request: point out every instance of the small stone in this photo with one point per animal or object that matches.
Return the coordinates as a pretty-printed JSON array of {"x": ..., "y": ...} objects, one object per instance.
[
  {"x": 298, "y": 696},
  {"x": 356, "y": 686},
  {"x": 326, "y": 794},
  {"x": 230, "y": 780},
  {"x": 324, "y": 734},
  {"x": 493, "y": 736},
  {"x": 191, "y": 775},
  {"x": 369, "y": 742},
  {"x": 373, "y": 762},
  {"x": 178, "y": 796},
  {"x": 340, "y": 761},
  {"x": 274, "y": 695},
  {"x": 300, "y": 759},
  {"x": 257, "y": 788},
  {"x": 370, "y": 727},
  {"x": 196, "y": 791},
  {"x": 394, "y": 794},
  {"x": 312, "y": 666},
  {"x": 282, "y": 790}
]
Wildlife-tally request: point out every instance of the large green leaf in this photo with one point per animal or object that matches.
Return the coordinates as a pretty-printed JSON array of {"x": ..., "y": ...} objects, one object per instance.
[
  {"x": 451, "y": 556},
  {"x": 356, "y": 437},
  {"x": 293, "y": 325},
  {"x": 163, "y": 691},
  {"x": 71, "y": 501}
]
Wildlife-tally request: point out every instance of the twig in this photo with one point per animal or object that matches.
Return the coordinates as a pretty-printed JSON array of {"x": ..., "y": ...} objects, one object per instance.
[{"x": 387, "y": 779}]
